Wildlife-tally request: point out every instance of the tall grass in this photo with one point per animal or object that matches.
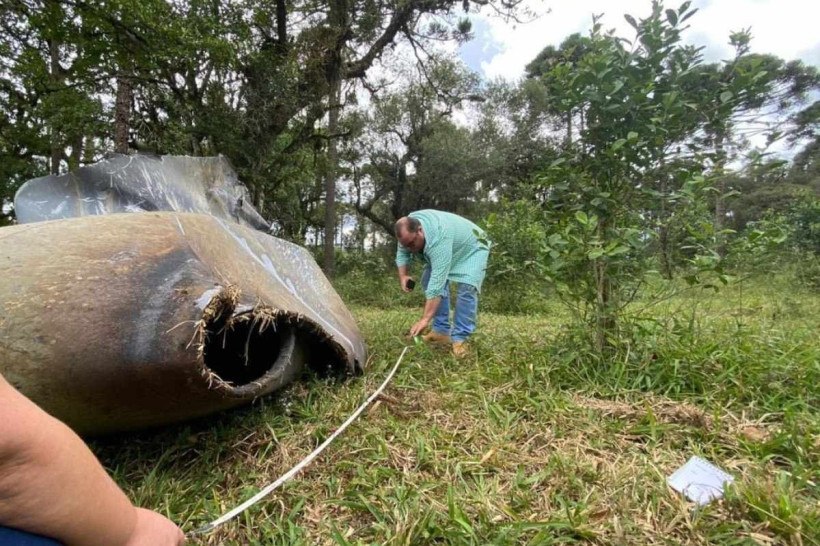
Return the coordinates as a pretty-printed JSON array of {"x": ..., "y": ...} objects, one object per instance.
[{"x": 528, "y": 441}]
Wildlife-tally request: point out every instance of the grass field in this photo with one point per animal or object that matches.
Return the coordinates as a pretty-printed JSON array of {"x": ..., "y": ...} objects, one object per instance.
[{"x": 525, "y": 442}]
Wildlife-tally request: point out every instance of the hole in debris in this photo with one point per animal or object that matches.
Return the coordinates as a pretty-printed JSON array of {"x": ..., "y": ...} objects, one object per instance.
[{"x": 242, "y": 350}]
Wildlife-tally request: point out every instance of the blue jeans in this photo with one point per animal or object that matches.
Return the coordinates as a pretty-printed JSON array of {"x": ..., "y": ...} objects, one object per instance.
[
  {"x": 13, "y": 537},
  {"x": 464, "y": 315}
]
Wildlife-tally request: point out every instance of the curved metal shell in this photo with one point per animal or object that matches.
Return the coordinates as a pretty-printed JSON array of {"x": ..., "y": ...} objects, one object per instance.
[{"x": 125, "y": 321}]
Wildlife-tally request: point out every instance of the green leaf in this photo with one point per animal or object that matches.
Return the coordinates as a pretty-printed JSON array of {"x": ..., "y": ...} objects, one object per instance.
[
  {"x": 688, "y": 14},
  {"x": 595, "y": 253},
  {"x": 631, "y": 21},
  {"x": 618, "y": 144},
  {"x": 556, "y": 240},
  {"x": 582, "y": 217},
  {"x": 618, "y": 85},
  {"x": 632, "y": 135},
  {"x": 726, "y": 96},
  {"x": 672, "y": 17},
  {"x": 621, "y": 249}
]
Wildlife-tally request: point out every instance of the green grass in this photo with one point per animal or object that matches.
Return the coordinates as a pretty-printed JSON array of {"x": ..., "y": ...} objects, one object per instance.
[{"x": 527, "y": 441}]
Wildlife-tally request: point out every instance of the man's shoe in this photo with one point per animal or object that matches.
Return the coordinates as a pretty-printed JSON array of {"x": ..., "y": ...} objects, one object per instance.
[
  {"x": 460, "y": 349},
  {"x": 436, "y": 339}
]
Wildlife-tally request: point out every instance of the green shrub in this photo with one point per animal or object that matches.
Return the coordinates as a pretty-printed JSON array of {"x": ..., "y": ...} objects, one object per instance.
[{"x": 515, "y": 281}]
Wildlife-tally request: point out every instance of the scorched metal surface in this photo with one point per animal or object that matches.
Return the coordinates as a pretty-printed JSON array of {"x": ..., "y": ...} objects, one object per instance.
[{"x": 122, "y": 321}]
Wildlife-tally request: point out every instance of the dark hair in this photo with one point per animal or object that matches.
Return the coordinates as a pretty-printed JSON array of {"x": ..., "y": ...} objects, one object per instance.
[{"x": 411, "y": 225}]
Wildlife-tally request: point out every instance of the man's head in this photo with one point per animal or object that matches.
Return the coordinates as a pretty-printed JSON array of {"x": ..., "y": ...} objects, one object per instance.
[{"x": 410, "y": 234}]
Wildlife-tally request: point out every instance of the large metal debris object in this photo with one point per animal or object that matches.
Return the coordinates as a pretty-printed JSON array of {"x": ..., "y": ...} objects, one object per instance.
[{"x": 123, "y": 321}]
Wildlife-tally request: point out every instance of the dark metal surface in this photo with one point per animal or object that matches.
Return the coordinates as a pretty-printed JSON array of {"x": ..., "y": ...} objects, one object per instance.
[{"x": 123, "y": 321}]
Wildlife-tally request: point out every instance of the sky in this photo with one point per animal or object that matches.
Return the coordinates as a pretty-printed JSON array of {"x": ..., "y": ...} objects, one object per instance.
[{"x": 786, "y": 28}]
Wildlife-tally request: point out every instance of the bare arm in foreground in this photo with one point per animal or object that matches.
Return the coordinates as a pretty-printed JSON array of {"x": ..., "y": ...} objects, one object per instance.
[{"x": 51, "y": 484}]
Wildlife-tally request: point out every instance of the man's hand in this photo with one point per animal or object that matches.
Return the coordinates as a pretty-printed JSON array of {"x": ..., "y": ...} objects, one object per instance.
[
  {"x": 419, "y": 327},
  {"x": 430, "y": 307},
  {"x": 403, "y": 282},
  {"x": 153, "y": 529}
]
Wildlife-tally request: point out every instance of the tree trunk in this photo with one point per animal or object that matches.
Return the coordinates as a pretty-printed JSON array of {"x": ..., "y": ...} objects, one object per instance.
[
  {"x": 55, "y": 77},
  {"x": 330, "y": 180},
  {"x": 720, "y": 186},
  {"x": 76, "y": 153},
  {"x": 664, "y": 243},
  {"x": 281, "y": 26},
  {"x": 122, "y": 112},
  {"x": 581, "y": 122},
  {"x": 665, "y": 252},
  {"x": 605, "y": 320}
]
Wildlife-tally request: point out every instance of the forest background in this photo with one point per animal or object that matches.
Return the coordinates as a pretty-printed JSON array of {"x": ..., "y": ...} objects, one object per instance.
[
  {"x": 624, "y": 180},
  {"x": 614, "y": 158}
]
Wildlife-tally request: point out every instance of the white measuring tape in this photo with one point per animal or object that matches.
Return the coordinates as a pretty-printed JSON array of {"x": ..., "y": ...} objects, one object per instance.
[{"x": 267, "y": 490}]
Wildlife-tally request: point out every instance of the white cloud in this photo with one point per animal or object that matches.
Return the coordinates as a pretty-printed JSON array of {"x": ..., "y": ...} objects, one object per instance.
[{"x": 786, "y": 28}]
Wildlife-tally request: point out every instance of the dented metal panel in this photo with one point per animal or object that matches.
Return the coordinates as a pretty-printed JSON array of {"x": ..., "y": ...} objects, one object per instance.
[
  {"x": 123, "y": 321},
  {"x": 140, "y": 183}
]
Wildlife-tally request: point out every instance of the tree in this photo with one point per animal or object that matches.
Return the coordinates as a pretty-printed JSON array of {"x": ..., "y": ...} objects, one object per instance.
[
  {"x": 49, "y": 114},
  {"x": 773, "y": 186},
  {"x": 416, "y": 156},
  {"x": 330, "y": 181},
  {"x": 249, "y": 80},
  {"x": 805, "y": 167},
  {"x": 515, "y": 133},
  {"x": 757, "y": 95},
  {"x": 549, "y": 67},
  {"x": 638, "y": 110}
]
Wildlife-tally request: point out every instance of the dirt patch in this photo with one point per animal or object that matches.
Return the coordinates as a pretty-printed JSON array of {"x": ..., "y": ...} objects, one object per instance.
[
  {"x": 664, "y": 410},
  {"x": 731, "y": 427}
]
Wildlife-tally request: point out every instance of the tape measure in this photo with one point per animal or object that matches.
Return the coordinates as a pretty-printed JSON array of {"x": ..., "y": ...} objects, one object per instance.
[{"x": 267, "y": 490}]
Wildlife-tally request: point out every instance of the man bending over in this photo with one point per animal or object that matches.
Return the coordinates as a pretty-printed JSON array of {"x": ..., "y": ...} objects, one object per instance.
[{"x": 453, "y": 249}]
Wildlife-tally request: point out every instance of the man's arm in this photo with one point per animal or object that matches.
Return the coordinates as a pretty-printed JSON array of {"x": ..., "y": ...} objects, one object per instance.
[
  {"x": 404, "y": 276},
  {"x": 403, "y": 259},
  {"x": 430, "y": 307},
  {"x": 51, "y": 484},
  {"x": 440, "y": 255}
]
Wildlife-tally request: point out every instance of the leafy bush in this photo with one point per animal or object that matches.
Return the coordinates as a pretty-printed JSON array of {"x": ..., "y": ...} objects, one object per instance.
[
  {"x": 515, "y": 282},
  {"x": 517, "y": 234},
  {"x": 373, "y": 288},
  {"x": 805, "y": 220}
]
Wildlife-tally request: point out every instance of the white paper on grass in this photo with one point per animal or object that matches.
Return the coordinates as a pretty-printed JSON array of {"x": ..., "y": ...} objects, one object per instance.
[{"x": 699, "y": 480}]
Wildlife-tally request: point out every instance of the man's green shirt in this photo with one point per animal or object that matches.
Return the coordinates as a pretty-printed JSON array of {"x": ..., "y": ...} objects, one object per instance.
[{"x": 455, "y": 249}]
